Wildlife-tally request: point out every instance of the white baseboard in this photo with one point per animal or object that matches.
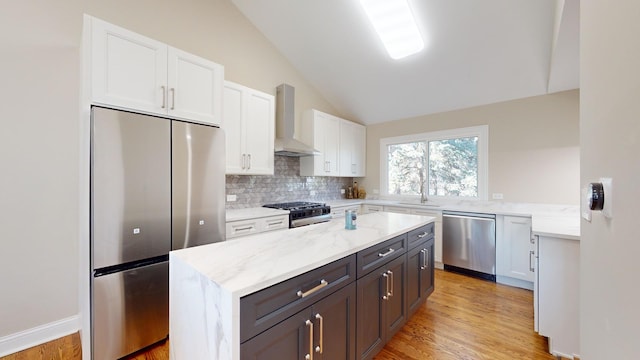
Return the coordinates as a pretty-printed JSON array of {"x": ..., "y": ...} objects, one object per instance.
[
  {"x": 505, "y": 280},
  {"x": 22, "y": 340},
  {"x": 438, "y": 265}
]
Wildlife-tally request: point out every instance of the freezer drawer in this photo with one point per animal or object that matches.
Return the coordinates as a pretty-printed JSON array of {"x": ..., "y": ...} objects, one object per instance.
[{"x": 130, "y": 310}]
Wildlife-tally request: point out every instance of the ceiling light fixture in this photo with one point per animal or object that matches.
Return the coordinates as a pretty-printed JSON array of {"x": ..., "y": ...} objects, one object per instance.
[{"x": 395, "y": 25}]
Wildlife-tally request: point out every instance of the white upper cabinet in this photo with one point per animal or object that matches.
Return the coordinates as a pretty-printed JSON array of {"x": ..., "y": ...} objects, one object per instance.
[
  {"x": 341, "y": 144},
  {"x": 352, "y": 149},
  {"x": 131, "y": 71},
  {"x": 323, "y": 133},
  {"x": 249, "y": 125},
  {"x": 195, "y": 87}
]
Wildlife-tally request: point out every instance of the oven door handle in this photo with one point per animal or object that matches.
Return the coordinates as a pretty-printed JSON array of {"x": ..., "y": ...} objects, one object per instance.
[{"x": 310, "y": 220}]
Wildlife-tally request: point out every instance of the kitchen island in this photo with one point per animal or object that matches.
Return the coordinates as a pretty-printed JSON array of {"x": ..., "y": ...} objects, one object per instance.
[{"x": 208, "y": 282}]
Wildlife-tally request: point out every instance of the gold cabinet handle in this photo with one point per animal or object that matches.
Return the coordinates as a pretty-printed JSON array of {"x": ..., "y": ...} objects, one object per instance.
[
  {"x": 322, "y": 284},
  {"x": 309, "y": 324},
  {"x": 321, "y": 346}
]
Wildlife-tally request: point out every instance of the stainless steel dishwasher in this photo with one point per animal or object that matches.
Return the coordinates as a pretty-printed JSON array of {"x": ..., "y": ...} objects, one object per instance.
[{"x": 469, "y": 243}]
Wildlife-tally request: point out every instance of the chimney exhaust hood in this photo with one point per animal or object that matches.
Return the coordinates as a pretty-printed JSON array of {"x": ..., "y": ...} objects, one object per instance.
[{"x": 285, "y": 144}]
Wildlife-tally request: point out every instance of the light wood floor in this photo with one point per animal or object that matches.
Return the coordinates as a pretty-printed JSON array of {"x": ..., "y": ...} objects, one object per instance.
[{"x": 464, "y": 318}]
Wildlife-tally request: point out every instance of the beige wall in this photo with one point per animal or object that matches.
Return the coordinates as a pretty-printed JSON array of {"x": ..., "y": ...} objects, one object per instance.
[
  {"x": 533, "y": 146},
  {"x": 39, "y": 47},
  {"x": 610, "y": 134},
  {"x": 44, "y": 139}
]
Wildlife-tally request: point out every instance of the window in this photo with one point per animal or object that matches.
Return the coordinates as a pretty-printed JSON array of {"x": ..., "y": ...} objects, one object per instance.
[{"x": 444, "y": 164}]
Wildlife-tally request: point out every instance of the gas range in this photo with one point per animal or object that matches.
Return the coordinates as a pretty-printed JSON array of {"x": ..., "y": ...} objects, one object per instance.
[{"x": 304, "y": 213}]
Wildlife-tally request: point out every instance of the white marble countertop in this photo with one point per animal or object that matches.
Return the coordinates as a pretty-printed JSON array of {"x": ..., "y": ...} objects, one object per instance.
[
  {"x": 243, "y": 266},
  {"x": 207, "y": 282},
  {"x": 566, "y": 227},
  {"x": 547, "y": 219},
  {"x": 253, "y": 213}
]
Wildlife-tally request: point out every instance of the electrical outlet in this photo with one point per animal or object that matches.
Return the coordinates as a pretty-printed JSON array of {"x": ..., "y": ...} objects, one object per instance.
[
  {"x": 312, "y": 193},
  {"x": 376, "y": 191},
  {"x": 497, "y": 196},
  {"x": 231, "y": 197},
  {"x": 342, "y": 191}
]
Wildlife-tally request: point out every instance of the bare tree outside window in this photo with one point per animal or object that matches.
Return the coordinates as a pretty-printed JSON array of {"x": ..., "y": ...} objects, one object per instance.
[
  {"x": 452, "y": 166},
  {"x": 407, "y": 168}
]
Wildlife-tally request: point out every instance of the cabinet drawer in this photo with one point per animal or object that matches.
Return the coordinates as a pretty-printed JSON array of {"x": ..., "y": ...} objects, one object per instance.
[
  {"x": 265, "y": 308},
  {"x": 242, "y": 228},
  {"x": 275, "y": 223},
  {"x": 420, "y": 234},
  {"x": 377, "y": 255}
]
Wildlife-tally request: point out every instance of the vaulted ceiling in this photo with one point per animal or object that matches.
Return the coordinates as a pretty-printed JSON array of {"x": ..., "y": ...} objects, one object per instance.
[{"x": 477, "y": 52}]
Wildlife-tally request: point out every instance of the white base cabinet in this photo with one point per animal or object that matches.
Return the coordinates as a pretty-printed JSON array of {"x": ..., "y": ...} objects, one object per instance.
[
  {"x": 240, "y": 228},
  {"x": 437, "y": 255},
  {"x": 133, "y": 72},
  {"x": 437, "y": 247},
  {"x": 515, "y": 251},
  {"x": 249, "y": 125},
  {"x": 367, "y": 209},
  {"x": 557, "y": 294}
]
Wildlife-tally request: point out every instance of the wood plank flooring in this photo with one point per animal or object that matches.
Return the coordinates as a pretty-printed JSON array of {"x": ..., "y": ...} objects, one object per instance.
[{"x": 464, "y": 318}]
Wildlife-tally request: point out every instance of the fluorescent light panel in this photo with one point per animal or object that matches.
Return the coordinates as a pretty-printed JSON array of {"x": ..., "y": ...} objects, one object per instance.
[{"x": 395, "y": 25}]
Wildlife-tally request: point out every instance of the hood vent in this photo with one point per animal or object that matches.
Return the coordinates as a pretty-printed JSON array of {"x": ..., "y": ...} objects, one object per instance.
[{"x": 285, "y": 144}]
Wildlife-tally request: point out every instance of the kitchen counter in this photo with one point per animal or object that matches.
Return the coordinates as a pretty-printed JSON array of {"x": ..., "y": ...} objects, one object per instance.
[
  {"x": 547, "y": 219},
  {"x": 207, "y": 282},
  {"x": 253, "y": 213}
]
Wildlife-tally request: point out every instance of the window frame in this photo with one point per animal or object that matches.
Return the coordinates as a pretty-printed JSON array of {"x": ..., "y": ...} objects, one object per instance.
[{"x": 481, "y": 131}]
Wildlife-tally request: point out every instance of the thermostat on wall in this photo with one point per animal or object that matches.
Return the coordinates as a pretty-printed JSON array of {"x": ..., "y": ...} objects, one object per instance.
[{"x": 598, "y": 197}]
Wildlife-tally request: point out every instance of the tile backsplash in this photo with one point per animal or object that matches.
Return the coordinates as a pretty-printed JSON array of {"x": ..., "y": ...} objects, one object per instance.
[{"x": 285, "y": 185}]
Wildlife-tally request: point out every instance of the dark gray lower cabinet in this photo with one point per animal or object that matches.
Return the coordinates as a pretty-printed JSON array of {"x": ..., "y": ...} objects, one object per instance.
[
  {"x": 325, "y": 314},
  {"x": 324, "y": 330},
  {"x": 382, "y": 308},
  {"x": 420, "y": 274}
]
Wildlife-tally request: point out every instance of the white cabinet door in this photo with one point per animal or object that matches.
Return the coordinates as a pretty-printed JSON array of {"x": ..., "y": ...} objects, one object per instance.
[
  {"x": 558, "y": 294},
  {"x": 128, "y": 70},
  {"x": 352, "y": 149},
  {"x": 249, "y": 125},
  {"x": 437, "y": 251},
  {"x": 233, "y": 128},
  {"x": 331, "y": 132},
  {"x": 259, "y": 128},
  {"x": 131, "y": 71},
  {"x": 515, "y": 252},
  {"x": 194, "y": 87},
  {"x": 323, "y": 133}
]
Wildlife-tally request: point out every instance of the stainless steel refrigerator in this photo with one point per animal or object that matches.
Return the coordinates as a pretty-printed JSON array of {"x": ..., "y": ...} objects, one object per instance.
[{"x": 156, "y": 185}]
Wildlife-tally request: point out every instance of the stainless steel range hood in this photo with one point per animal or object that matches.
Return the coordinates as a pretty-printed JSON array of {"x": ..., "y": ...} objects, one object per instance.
[{"x": 285, "y": 144}]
